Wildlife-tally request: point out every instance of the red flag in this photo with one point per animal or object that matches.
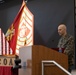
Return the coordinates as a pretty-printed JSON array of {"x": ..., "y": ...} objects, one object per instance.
[{"x": 20, "y": 32}]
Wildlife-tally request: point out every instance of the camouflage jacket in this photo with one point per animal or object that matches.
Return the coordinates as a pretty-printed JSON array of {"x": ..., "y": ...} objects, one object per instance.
[{"x": 67, "y": 43}]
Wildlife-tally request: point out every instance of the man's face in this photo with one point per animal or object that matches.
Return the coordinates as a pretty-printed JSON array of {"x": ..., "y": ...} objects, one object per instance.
[{"x": 61, "y": 30}]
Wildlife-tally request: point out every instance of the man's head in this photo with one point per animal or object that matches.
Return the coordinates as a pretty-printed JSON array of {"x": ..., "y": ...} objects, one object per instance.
[{"x": 62, "y": 30}]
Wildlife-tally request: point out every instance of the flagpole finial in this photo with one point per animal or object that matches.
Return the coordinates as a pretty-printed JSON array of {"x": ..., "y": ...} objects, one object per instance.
[{"x": 26, "y": 1}]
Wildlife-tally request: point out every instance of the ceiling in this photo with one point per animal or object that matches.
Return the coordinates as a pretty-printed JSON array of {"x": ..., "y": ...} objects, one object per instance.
[
  {"x": 75, "y": 3},
  {"x": 6, "y": 1},
  {"x": 3, "y": 1}
]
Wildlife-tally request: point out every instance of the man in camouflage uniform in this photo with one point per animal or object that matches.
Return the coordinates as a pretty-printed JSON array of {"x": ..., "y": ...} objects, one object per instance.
[{"x": 67, "y": 42}]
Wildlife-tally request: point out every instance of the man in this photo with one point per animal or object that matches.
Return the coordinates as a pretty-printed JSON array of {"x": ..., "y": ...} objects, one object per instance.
[{"x": 67, "y": 42}]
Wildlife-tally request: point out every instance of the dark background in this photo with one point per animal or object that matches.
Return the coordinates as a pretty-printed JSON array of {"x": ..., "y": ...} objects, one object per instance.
[{"x": 48, "y": 14}]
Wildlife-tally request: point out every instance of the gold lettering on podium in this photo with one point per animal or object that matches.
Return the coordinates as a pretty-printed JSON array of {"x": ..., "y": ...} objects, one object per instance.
[{"x": 6, "y": 61}]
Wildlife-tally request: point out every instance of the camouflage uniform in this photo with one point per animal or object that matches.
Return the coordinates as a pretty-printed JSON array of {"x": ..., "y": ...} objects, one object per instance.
[{"x": 67, "y": 43}]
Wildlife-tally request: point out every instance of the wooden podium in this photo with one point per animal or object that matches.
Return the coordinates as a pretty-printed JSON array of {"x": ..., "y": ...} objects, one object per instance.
[{"x": 31, "y": 57}]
